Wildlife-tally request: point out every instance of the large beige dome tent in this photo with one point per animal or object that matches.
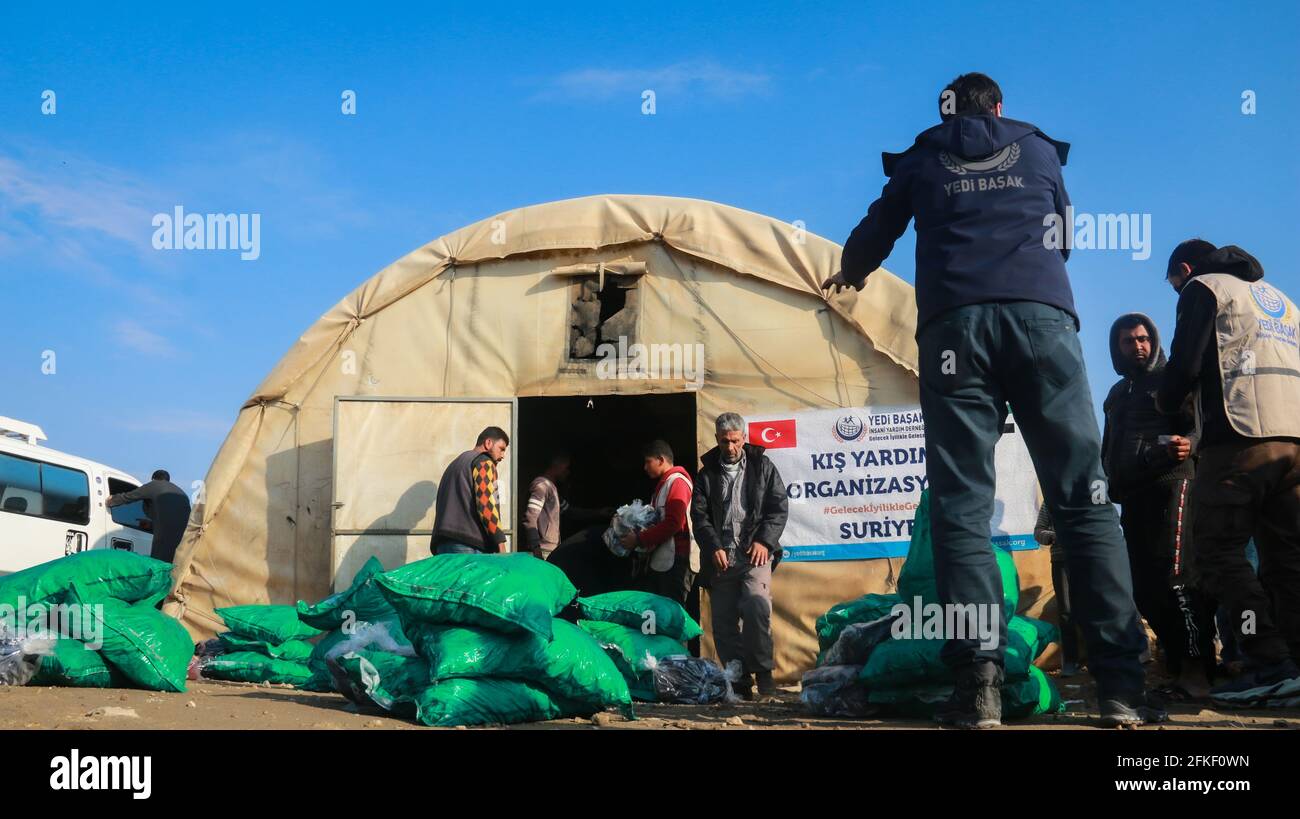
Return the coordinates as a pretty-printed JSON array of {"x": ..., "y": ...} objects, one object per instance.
[{"x": 336, "y": 455}]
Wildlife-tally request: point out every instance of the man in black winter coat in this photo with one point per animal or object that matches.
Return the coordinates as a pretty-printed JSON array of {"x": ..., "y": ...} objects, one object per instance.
[
  {"x": 738, "y": 512},
  {"x": 1147, "y": 458}
]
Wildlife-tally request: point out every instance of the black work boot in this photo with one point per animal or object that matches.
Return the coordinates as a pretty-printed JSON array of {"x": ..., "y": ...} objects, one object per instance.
[
  {"x": 766, "y": 687},
  {"x": 744, "y": 687},
  {"x": 1131, "y": 711},
  {"x": 976, "y": 700}
]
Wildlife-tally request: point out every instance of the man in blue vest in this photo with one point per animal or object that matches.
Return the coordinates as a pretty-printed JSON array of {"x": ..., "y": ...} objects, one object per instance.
[{"x": 996, "y": 325}]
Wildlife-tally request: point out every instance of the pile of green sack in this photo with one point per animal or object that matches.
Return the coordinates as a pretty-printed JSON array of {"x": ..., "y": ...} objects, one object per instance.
[
  {"x": 289, "y": 645},
  {"x": 101, "y": 607},
  {"x": 486, "y": 645},
  {"x": 863, "y": 668},
  {"x": 262, "y": 644},
  {"x": 637, "y": 629}
]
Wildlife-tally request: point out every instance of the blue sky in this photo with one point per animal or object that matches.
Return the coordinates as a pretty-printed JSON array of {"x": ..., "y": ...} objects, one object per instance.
[{"x": 467, "y": 110}]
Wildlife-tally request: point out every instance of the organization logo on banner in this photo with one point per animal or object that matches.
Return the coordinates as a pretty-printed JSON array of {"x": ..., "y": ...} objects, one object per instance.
[
  {"x": 773, "y": 434},
  {"x": 849, "y": 428}
]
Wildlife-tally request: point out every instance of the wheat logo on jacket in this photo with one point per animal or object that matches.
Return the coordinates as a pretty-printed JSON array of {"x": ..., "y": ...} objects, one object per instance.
[{"x": 1000, "y": 161}]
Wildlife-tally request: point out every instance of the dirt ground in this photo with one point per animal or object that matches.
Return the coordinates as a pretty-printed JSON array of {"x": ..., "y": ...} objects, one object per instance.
[{"x": 241, "y": 706}]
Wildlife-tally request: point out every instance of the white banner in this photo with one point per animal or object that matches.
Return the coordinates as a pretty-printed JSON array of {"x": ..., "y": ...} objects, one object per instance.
[{"x": 855, "y": 476}]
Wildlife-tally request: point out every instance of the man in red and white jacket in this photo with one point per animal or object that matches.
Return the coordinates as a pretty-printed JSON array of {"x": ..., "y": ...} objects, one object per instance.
[{"x": 667, "y": 546}]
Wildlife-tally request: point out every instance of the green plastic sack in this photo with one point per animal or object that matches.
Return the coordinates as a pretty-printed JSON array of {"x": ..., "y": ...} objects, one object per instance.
[
  {"x": 638, "y": 610},
  {"x": 399, "y": 685},
  {"x": 100, "y": 574},
  {"x": 391, "y": 625},
  {"x": 1045, "y": 633},
  {"x": 506, "y": 592},
  {"x": 1035, "y": 635},
  {"x": 916, "y": 578},
  {"x": 572, "y": 664},
  {"x": 317, "y": 682},
  {"x": 905, "y": 662},
  {"x": 1036, "y": 694},
  {"x": 465, "y": 651},
  {"x": 362, "y": 600},
  {"x": 268, "y": 623},
  {"x": 149, "y": 648},
  {"x": 388, "y": 680},
  {"x": 628, "y": 648},
  {"x": 842, "y": 615},
  {"x": 483, "y": 701},
  {"x": 75, "y": 666},
  {"x": 1033, "y": 695},
  {"x": 296, "y": 650},
  {"x": 255, "y": 667}
]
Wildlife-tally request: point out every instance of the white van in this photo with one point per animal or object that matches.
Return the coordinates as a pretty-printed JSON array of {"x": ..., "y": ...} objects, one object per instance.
[{"x": 52, "y": 503}]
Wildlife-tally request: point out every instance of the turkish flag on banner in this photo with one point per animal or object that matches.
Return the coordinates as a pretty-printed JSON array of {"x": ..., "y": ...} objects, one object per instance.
[{"x": 773, "y": 434}]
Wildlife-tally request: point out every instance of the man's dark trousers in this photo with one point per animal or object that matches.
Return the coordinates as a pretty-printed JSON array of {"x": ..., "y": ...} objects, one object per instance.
[
  {"x": 974, "y": 361},
  {"x": 1251, "y": 488},
  {"x": 1157, "y": 524}
]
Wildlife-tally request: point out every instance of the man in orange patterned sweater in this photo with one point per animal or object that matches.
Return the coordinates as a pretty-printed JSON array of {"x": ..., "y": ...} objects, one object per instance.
[{"x": 467, "y": 519}]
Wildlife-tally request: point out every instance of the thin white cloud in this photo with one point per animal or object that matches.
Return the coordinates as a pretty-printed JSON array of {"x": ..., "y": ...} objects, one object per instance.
[
  {"x": 703, "y": 77},
  {"x": 65, "y": 192},
  {"x": 130, "y": 334}
]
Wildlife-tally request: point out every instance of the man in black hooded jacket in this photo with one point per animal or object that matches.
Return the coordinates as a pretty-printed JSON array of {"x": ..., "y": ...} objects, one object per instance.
[
  {"x": 1148, "y": 461},
  {"x": 996, "y": 325},
  {"x": 1237, "y": 346}
]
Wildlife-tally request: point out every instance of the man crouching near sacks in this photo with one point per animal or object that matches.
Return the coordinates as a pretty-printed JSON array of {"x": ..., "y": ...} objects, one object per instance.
[{"x": 739, "y": 510}]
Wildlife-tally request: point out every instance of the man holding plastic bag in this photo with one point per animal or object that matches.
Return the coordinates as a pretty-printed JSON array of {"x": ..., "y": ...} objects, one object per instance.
[{"x": 669, "y": 559}]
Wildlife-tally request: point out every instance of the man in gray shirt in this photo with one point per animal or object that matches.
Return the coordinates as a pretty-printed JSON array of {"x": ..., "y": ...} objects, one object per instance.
[{"x": 739, "y": 511}]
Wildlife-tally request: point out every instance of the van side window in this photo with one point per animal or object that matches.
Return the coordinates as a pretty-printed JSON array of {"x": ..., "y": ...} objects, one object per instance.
[
  {"x": 132, "y": 514},
  {"x": 20, "y": 486},
  {"x": 65, "y": 493},
  {"x": 44, "y": 490}
]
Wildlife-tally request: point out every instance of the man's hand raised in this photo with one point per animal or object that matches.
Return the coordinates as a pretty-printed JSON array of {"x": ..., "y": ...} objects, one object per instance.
[{"x": 837, "y": 283}]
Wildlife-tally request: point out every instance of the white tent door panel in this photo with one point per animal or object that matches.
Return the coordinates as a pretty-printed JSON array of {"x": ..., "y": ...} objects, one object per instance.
[
  {"x": 352, "y": 551},
  {"x": 389, "y": 455}
]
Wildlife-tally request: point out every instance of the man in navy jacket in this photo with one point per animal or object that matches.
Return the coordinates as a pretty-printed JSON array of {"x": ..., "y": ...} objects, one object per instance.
[{"x": 996, "y": 325}]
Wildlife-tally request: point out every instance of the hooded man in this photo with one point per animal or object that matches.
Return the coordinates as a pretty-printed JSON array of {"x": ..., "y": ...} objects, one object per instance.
[
  {"x": 739, "y": 511},
  {"x": 1237, "y": 347},
  {"x": 996, "y": 325},
  {"x": 1148, "y": 462}
]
